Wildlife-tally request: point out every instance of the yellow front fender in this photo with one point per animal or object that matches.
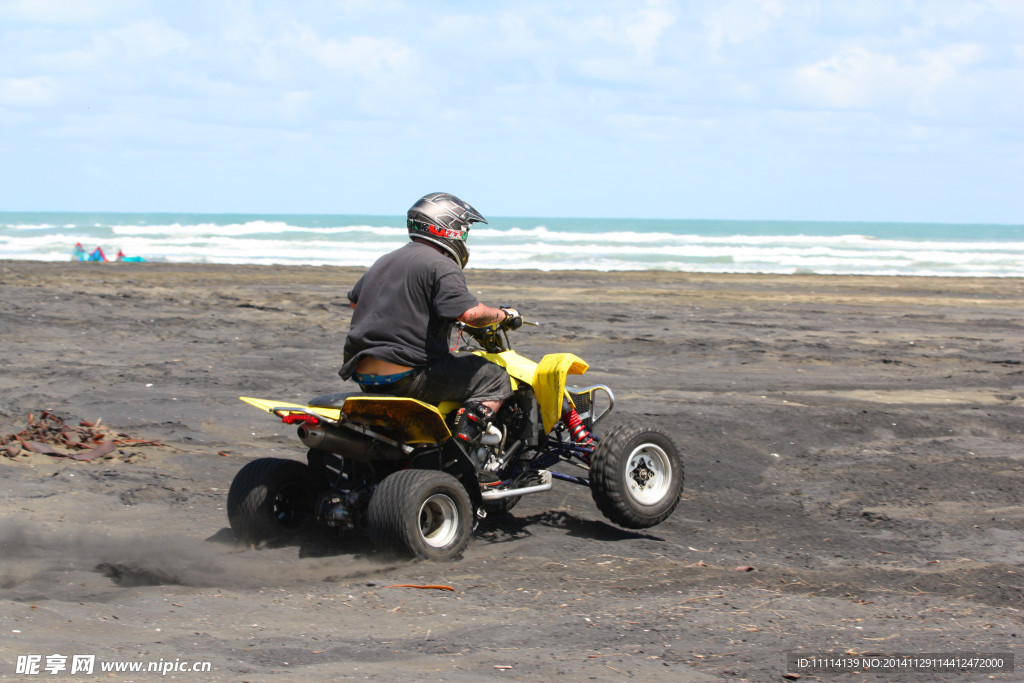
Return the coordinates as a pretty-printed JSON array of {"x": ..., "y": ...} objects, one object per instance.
[
  {"x": 549, "y": 384},
  {"x": 519, "y": 368},
  {"x": 547, "y": 378}
]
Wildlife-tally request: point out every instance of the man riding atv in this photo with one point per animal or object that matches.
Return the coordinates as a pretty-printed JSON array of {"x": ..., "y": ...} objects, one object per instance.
[
  {"x": 406, "y": 305},
  {"x": 397, "y": 459}
]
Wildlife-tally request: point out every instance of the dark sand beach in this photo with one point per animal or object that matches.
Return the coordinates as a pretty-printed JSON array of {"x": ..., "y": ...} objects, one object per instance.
[{"x": 854, "y": 482}]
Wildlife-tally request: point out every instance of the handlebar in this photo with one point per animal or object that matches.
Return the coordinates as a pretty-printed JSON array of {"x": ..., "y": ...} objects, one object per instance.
[{"x": 494, "y": 337}]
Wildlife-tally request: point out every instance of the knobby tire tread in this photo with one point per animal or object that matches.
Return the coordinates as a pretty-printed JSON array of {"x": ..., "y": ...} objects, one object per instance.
[
  {"x": 608, "y": 488},
  {"x": 393, "y": 514},
  {"x": 386, "y": 516},
  {"x": 249, "y": 494}
]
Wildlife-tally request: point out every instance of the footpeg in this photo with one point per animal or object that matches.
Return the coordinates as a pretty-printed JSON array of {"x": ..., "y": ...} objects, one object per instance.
[{"x": 540, "y": 480}]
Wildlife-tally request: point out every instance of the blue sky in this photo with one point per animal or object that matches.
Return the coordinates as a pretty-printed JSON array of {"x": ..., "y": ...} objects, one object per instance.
[{"x": 878, "y": 110}]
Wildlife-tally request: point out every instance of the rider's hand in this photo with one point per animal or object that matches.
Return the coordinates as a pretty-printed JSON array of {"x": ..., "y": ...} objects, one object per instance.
[{"x": 513, "y": 320}]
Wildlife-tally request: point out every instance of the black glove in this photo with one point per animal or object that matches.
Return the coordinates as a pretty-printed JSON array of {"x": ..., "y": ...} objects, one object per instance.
[{"x": 513, "y": 320}]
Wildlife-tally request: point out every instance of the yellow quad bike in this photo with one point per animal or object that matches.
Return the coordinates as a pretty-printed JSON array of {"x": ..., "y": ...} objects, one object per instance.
[{"x": 390, "y": 466}]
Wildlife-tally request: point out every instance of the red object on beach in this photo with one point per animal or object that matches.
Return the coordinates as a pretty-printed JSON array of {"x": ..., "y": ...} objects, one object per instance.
[{"x": 121, "y": 258}]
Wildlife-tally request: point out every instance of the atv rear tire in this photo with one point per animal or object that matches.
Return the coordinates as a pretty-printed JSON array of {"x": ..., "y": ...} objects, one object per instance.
[
  {"x": 271, "y": 499},
  {"x": 425, "y": 514},
  {"x": 636, "y": 476}
]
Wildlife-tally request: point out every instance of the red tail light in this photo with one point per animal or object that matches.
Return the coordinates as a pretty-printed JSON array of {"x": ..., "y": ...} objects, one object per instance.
[{"x": 294, "y": 418}]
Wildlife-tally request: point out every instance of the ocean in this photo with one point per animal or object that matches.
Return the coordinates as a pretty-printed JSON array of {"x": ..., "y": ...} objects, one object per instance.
[{"x": 710, "y": 246}]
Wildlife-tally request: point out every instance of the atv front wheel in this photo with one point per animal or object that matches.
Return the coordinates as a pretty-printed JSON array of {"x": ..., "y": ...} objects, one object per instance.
[
  {"x": 636, "y": 476},
  {"x": 271, "y": 498},
  {"x": 425, "y": 514}
]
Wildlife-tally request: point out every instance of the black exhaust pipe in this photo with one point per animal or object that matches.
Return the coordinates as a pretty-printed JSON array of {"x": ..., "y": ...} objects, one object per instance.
[{"x": 348, "y": 443}]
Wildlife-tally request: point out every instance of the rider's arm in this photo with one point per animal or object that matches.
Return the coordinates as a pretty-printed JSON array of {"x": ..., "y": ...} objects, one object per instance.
[
  {"x": 482, "y": 315},
  {"x": 353, "y": 294}
]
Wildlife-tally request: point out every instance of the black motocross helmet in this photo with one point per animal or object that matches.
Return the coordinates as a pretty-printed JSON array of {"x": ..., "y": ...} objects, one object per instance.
[{"x": 443, "y": 219}]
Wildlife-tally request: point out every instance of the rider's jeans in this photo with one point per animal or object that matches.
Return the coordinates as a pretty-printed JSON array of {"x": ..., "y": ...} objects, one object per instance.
[{"x": 459, "y": 377}]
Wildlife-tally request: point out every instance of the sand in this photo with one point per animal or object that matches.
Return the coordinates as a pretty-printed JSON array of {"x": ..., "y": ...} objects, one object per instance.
[{"x": 853, "y": 451}]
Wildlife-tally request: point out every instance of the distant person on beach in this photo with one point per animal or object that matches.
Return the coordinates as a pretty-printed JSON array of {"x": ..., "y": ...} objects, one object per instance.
[{"x": 405, "y": 307}]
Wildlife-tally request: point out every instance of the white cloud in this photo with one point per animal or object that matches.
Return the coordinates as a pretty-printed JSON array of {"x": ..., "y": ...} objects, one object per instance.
[
  {"x": 40, "y": 91},
  {"x": 739, "y": 22},
  {"x": 65, "y": 12},
  {"x": 368, "y": 58},
  {"x": 140, "y": 41},
  {"x": 859, "y": 78},
  {"x": 647, "y": 27}
]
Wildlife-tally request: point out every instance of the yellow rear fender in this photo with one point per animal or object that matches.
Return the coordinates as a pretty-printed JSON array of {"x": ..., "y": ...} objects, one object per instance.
[
  {"x": 282, "y": 408},
  {"x": 412, "y": 421}
]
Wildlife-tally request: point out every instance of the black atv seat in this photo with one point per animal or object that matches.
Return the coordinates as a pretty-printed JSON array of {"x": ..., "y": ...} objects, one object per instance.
[{"x": 333, "y": 400}]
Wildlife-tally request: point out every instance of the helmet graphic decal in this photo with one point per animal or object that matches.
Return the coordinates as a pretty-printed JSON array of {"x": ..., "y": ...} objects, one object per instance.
[{"x": 447, "y": 233}]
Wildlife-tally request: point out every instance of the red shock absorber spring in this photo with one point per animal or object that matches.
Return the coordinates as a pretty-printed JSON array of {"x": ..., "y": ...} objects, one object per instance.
[{"x": 577, "y": 429}]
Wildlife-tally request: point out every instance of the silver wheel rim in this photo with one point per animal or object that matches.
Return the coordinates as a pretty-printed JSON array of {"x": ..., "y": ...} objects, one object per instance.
[
  {"x": 648, "y": 474},
  {"x": 439, "y": 520}
]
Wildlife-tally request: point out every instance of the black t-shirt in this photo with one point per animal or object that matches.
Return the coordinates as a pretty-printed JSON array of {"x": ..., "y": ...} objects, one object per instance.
[{"x": 406, "y": 304}]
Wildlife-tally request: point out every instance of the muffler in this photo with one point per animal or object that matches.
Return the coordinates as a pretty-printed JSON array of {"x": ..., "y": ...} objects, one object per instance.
[{"x": 347, "y": 443}]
